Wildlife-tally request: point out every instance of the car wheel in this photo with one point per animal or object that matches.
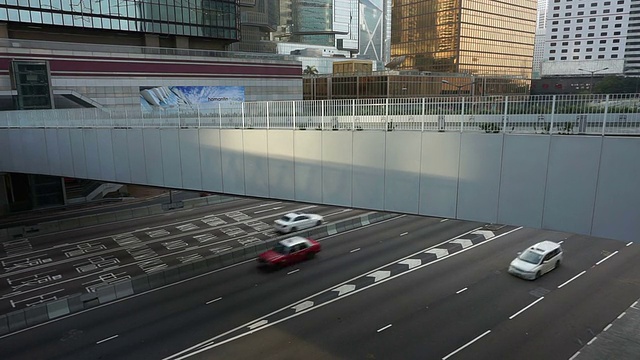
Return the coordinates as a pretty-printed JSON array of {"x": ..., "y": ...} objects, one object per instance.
[
  {"x": 311, "y": 255},
  {"x": 538, "y": 274},
  {"x": 557, "y": 264}
]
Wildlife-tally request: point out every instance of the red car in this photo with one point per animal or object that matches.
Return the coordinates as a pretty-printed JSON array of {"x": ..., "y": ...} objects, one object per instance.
[{"x": 289, "y": 251}]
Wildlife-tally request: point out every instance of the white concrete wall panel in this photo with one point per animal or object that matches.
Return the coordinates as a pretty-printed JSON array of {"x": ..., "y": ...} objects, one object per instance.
[
  {"x": 439, "y": 174},
  {"x": 78, "y": 153},
  {"x": 190, "y": 159},
  {"x": 15, "y": 143},
  {"x": 307, "y": 150},
  {"x": 368, "y": 169},
  {"x": 169, "y": 140},
  {"x": 36, "y": 156},
  {"x": 92, "y": 155},
  {"x": 402, "y": 171},
  {"x": 64, "y": 150},
  {"x": 210, "y": 160},
  {"x": 153, "y": 156},
  {"x": 137, "y": 161},
  {"x": 232, "y": 154},
  {"x": 256, "y": 163},
  {"x": 6, "y": 155},
  {"x": 571, "y": 183},
  {"x": 479, "y": 183},
  {"x": 105, "y": 152},
  {"x": 53, "y": 152},
  {"x": 337, "y": 165},
  {"x": 617, "y": 206},
  {"x": 281, "y": 164},
  {"x": 524, "y": 174},
  {"x": 121, "y": 155}
]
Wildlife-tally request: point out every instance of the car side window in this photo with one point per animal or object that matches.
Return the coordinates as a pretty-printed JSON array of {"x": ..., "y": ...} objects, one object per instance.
[{"x": 303, "y": 246}]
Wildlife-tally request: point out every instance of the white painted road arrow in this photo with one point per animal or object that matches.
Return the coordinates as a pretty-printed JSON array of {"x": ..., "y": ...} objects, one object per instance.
[
  {"x": 303, "y": 306},
  {"x": 379, "y": 275},
  {"x": 463, "y": 242},
  {"x": 410, "y": 262},
  {"x": 257, "y": 324},
  {"x": 438, "y": 252},
  {"x": 486, "y": 233},
  {"x": 344, "y": 289}
]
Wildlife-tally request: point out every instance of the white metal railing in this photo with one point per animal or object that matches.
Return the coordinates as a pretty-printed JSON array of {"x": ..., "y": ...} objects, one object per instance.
[{"x": 566, "y": 114}]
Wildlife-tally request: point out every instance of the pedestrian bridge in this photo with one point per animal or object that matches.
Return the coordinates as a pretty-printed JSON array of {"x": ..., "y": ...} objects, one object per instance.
[{"x": 561, "y": 163}]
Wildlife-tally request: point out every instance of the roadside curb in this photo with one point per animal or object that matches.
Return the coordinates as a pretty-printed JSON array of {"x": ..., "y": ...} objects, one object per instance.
[
  {"x": 41, "y": 313},
  {"x": 19, "y": 232}
]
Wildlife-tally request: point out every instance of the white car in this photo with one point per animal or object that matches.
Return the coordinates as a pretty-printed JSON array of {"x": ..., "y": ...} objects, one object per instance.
[
  {"x": 293, "y": 222},
  {"x": 537, "y": 260}
]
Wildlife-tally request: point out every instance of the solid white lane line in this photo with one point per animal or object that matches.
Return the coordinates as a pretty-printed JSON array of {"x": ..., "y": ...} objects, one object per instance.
[
  {"x": 525, "y": 308},
  {"x": 293, "y": 271},
  {"x": 443, "y": 220},
  {"x": 610, "y": 255},
  {"x": 592, "y": 340},
  {"x": 354, "y": 250},
  {"x": 214, "y": 300},
  {"x": 560, "y": 242},
  {"x": 570, "y": 280},
  {"x": 621, "y": 315},
  {"x": 607, "y": 328},
  {"x": 461, "y": 290},
  {"x": 465, "y": 345},
  {"x": 634, "y": 304},
  {"x": 404, "y": 233},
  {"x": 574, "y": 356},
  {"x": 147, "y": 228},
  {"x": 384, "y": 328},
  {"x": 107, "y": 339},
  {"x": 629, "y": 244}
]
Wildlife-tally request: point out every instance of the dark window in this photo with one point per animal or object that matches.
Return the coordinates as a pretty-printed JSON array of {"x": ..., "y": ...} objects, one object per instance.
[{"x": 613, "y": 56}]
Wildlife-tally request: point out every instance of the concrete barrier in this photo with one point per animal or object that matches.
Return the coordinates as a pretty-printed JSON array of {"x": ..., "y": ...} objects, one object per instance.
[
  {"x": 17, "y": 320},
  {"x": 106, "y": 294},
  {"x": 36, "y": 314},
  {"x": 140, "y": 284},
  {"x": 57, "y": 308},
  {"x": 4, "y": 325},
  {"x": 156, "y": 279},
  {"x": 123, "y": 289}
]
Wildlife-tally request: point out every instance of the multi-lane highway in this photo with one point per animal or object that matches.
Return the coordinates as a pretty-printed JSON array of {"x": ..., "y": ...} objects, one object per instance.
[
  {"x": 44, "y": 268},
  {"x": 407, "y": 288}
]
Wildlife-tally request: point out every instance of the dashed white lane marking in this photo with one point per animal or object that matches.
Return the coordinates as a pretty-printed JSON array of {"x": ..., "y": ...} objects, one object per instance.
[
  {"x": 302, "y": 306},
  {"x": 443, "y": 220},
  {"x": 610, "y": 255},
  {"x": 107, "y": 339},
  {"x": 525, "y": 308},
  {"x": 293, "y": 271},
  {"x": 354, "y": 250},
  {"x": 629, "y": 244},
  {"x": 467, "y": 344},
  {"x": 404, "y": 233},
  {"x": 214, "y": 300},
  {"x": 607, "y": 328},
  {"x": 621, "y": 315},
  {"x": 384, "y": 328},
  {"x": 570, "y": 280},
  {"x": 574, "y": 356},
  {"x": 592, "y": 340},
  {"x": 461, "y": 290},
  {"x": 346, "y": 288},
  {"x": 257, "y": 324}
]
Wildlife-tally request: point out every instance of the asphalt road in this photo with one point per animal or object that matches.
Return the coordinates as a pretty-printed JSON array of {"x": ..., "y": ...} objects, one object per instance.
[
  {"x": 41, "y": 269},
  {"x": 408, "y": 288}
]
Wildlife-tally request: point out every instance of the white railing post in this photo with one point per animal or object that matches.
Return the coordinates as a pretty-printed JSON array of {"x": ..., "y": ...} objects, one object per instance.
[
  {"x": 294, "y": 114},
  {"x": 267, "y": 115},
  {"x": 220, "y": 114},
  {"x": 424, "y": 104},
  {"x": 242, "y": 114},
  {"x": 179, "y": 117},
  {"x": 553, "y": 114},
  {"x": 506, "y": 111},
  {"x": 386, "y": 114},
  {"x": 322, "y": 115},
  {"x": 198, "y": 111},
  {"x": 462, "y": 115},
  {"x": 604, "y": 118},
  {"x": 353, "y": 114}
]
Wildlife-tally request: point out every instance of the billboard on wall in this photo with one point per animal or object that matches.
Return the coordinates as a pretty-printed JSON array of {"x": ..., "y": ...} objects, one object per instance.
[{"x": 188, "y": 97}]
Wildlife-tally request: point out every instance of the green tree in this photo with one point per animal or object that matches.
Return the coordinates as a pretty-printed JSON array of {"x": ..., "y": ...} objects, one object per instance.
[
  {"x": 310, "y": 70},
  {"x": 617, "y": 85}
]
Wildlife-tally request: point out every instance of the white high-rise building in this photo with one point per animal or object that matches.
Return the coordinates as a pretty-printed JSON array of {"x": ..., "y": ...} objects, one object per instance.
[
  {"x": 586, "y": 37},
  {"x": 632, "y": 48},
  {"x": 541, "y": 31}
]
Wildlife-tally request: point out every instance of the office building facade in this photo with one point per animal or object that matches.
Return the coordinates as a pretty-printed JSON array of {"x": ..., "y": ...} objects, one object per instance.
[
  {"x": 479, "y": 37},
  {"x": 375, "y": 31}
]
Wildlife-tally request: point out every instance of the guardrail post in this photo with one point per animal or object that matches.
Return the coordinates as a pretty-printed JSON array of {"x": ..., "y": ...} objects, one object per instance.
[
  {"x": 423, "y": 113},
  {"x": 462, "y": 114},
  {"x": 179, "y": 118},
  {"x": 198, "y": 111},
  {"x": 267, "y": 115},
  {"x": 220, "y": 114},
  {"x": 242, "y": 114},
  {"x": 506, "y": 111},
  {"x": 553, "y": 114},
  {"x": 386, "y": 114},
  {"x": 604, "y": 118},
  {"x": 353, "y": 114},
  {"x": 294, "y": 114},
  {"x": 322, "y": 115}
]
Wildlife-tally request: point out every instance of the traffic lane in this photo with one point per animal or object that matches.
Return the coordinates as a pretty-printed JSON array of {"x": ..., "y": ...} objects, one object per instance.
[
  {"x": 571, "y": 317},
  {"x": 487, "y": 296},
  {"x": 91, "y": 270},
  {"x": 178, "y": 315}
]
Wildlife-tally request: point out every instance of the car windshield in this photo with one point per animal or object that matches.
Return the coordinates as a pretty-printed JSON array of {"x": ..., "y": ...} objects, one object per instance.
[
  {"x": 530, "y": 257},
  {"x": 281, "y": 249},
  {"x": 285, "y": 218}
]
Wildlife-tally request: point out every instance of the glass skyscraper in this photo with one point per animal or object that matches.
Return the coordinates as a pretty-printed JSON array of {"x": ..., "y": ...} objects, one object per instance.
[
  {"x": 375, "y": 30},
  {"x": 481, "y": 37}
]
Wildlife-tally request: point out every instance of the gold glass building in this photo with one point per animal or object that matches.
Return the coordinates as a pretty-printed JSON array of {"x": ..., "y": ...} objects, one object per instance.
[{"x": 479, "y": 37}]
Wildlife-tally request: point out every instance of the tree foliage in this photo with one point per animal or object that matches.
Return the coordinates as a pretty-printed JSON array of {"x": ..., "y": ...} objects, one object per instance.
[
  {"x": 310, "y": 70},
  {"x": 617, "y": 85}
]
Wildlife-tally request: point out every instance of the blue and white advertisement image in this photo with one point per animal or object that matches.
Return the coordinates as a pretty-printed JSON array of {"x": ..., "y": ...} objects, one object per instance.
[{"x": 186, "y": 98}]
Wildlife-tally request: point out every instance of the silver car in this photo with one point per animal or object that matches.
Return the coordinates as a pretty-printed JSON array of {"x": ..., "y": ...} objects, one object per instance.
[
  {"x": 293, "y": 222},
  {"x": 537, "y": 260}
]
